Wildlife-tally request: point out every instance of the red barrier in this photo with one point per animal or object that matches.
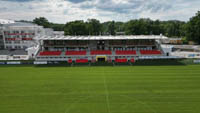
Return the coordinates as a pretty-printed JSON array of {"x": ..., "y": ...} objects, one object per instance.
[
  {"x": 132, "y": 60},
  {"x": 150, "y": 52},
  {"x": 75, "y": 53},
  {"x": 69, "y": 61},
  {"x": 124, "y": 60},
  {"x": 81, "y": 60},
  {"x": 50, "y": 53},
  {"x": 126, "y": 52},
  {"x": 99, "y": 52}
]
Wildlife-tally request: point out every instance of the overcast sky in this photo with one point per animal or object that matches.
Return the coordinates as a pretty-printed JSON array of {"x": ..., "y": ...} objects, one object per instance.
[{"x": 62, "y": 11}]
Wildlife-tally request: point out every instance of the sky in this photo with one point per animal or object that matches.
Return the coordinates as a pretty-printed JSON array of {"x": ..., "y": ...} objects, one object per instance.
[{"x": 62, "y": 11}]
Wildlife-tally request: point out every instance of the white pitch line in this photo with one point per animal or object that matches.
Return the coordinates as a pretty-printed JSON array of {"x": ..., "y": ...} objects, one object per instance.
[
  {"x": 107, "y": 93},
  {"x": 90, "y": 93}
]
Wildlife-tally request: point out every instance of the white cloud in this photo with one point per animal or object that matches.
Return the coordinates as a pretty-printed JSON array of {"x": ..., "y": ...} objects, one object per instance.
[{"x": 61, "y": 11}]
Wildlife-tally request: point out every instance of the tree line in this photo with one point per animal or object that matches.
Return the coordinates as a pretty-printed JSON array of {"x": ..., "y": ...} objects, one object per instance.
[{"x": 190, "y": 30}]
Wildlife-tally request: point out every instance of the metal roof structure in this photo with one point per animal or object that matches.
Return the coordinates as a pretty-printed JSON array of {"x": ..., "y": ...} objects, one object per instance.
[
  {"x": 130, "y": 37},
  {"x": 189, "y": 47}
]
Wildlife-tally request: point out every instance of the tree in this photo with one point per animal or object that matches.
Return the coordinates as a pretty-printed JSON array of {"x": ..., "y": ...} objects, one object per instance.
[
  {"x": 57, "y": 27},
  {"x": 119, "y": 26},
  {"x": 76, "y": 28},
  {"x": 138, "y": 27},
  {"x": 111, "y": 28},
  {"x": 143, "y": 26},
  {"x": 94, "y": 26},
  {"x": 193, "y": 28},
  {"x": 42, "y": 21},
  {"x": 173, "y": 28},
  {"x": 157, "y": 28}
]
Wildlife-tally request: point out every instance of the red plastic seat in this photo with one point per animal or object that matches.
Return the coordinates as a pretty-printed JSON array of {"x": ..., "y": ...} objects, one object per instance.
[
  {"x": 50, "y": 53},
  {"x": 124, "y": 60},
  {"x": 75, "y": 53},
  {"x": 126, "y": 52},
  {"x": 99, "y": 52},
  {"x": 81, "y": 60},
  {"x": 150, "y": 52}
]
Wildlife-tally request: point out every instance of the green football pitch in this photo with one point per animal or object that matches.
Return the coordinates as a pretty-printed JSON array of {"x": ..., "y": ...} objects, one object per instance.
[{"x": 131, "y": 89}]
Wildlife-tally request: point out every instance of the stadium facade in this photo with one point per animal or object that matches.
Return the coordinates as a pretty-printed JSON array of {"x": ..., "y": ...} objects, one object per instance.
[
  {"x": 83, "y": 49},
  {"x": 25, "y": 41}
]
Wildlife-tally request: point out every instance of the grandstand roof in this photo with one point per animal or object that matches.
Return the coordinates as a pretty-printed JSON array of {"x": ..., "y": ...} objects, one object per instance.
[{"x": 131, "y": 37}]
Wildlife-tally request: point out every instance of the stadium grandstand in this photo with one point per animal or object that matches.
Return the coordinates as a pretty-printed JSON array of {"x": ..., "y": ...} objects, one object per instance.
[{"x": 83, "y": 49}]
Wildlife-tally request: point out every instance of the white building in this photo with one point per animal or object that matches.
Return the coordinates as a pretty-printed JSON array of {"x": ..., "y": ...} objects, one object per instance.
[
  {"x": 1, "y": 37},
  {"x": 186, "y": 51},
  {"x": 3, "y": 21},
  {"x": 20, "y": 35},
  {"x": 58, "y": 33},
  {"x": 17, "y": 37},
  {"x": 49, "y": 31}
]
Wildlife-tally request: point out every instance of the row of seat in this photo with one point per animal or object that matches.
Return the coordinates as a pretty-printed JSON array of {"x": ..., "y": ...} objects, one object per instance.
[
  {"x": 76, "y": 53},
  {"x": 49, "y": 53},
  {"x": 106, "y": 52},
  {"x": 122, "y": 60},
  {"x": 150, "y": 52}
]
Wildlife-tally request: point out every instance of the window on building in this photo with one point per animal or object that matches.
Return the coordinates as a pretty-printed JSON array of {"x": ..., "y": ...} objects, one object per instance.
[
  {"x": 17, "y": 42},
  {"x": 17, "y": 47},
  {"x": 16, "y": 31},
  {"x": 8, "y": 42},
  {"x": 30, "y": 31},
  {"x": 31, "y": 36},
  {"x": 23, "y": 36},
  {"x": 8, "y": 47}
]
